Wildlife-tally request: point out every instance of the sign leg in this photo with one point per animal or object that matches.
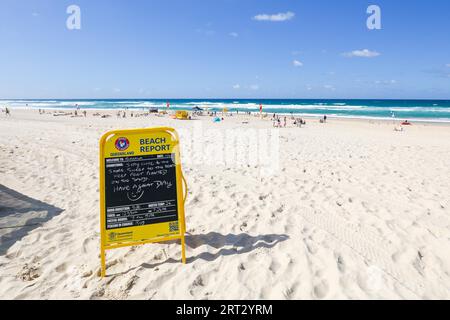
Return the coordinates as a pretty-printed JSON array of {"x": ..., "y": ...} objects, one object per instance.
[
  {"x": 103, "y": 263},
  {"x": 183, "y": 250}
]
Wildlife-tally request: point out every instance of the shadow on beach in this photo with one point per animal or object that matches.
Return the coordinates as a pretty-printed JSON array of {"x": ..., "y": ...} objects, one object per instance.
[
  {"x": 19, "y": 215},
  {"x": 236, "y": 244},
  {"x": 239, "y": 244}
]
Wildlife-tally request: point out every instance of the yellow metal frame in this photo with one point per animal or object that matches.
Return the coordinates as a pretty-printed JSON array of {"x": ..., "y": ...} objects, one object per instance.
[{"x": 181, "y": 196}]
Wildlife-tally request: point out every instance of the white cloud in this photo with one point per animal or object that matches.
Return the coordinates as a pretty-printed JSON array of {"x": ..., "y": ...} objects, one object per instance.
[
  {"x": 254, "y": 87},
  {"x": 279, "y": 17},
  {"x": 297, "y": 63},
  {"x": 329, "y": 87},
  {"x": 233, "y": 34},
  {"x": 237, "y": 86},
  {"x": 365, "y": 53},
  {"x": 448, "y": 65},
  {"x": 117, "y": 90},
  {"x": 386, "y": 82},
  {"x": 206, "y": 32}
]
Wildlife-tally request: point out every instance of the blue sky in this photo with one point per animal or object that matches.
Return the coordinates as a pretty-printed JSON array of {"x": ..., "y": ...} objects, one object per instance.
[{"x": 218, "y": 49}]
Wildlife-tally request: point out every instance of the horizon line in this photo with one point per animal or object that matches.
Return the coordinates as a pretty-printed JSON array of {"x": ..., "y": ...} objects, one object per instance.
[{"x": 169, "y": 99}]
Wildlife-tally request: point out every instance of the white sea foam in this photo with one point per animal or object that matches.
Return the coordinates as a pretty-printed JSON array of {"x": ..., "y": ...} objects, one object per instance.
[{"x": 337, "y": 109}]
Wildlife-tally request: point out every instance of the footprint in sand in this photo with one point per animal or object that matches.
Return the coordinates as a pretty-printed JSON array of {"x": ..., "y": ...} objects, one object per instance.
[
  {"x": 321, "y": 289},
  {"x": 197, "y": 284},
  {"x": 61, "y": 268},
  {"x": 29, "y": 273},
  {"x": 340, "y": 264}
]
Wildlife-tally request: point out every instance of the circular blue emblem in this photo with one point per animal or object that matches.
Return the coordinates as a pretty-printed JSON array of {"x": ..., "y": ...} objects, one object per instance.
[{"x": 122, "y": 144}]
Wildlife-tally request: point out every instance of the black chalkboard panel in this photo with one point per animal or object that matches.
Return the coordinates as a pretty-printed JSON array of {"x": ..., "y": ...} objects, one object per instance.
[{"x": 140, "y": 191}]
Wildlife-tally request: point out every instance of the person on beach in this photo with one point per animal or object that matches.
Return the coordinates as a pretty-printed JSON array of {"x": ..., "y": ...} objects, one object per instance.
[
  {"x": 285, "y": 122},
  {"x": 84, "y": 113},
  {"x": 7, "y": 112}
]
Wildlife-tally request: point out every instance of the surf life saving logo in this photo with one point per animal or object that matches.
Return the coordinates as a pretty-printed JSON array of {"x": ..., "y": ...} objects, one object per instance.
[{"x": 122, "y": 144}]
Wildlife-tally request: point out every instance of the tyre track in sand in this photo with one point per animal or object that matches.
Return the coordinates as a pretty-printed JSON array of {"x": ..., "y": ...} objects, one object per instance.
[{"x": 371, "y": 247}]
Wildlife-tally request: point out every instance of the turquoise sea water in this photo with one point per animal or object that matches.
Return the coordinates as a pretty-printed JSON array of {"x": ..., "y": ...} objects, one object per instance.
[{"x": 437, "y": 110}]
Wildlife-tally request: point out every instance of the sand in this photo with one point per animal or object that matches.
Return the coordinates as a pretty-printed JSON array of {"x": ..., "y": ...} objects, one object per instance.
[{"x": 345, "y": 210}]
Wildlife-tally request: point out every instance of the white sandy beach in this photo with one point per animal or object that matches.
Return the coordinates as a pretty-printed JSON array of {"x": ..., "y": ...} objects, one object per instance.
[{"x": 354, "y": 211}]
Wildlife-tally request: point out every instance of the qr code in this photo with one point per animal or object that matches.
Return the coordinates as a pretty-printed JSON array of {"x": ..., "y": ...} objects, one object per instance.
[{"x": 173, "y": 226}]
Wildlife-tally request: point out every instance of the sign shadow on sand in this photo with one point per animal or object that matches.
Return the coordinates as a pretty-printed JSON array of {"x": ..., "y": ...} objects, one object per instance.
[
  {"x": 230, "y": 244},
  {"x": 19, "y": 215}
]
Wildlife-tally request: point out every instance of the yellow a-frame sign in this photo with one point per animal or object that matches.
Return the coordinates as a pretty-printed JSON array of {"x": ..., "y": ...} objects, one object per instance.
[{"x": 141, "y": 189}]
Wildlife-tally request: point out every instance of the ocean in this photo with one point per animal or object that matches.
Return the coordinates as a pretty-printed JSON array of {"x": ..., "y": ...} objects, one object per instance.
[{"x": 427, "y": 110}]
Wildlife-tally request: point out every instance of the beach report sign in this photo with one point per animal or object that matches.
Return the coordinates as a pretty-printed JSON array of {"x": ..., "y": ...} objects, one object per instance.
[{"x": 142, "y": 189}]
